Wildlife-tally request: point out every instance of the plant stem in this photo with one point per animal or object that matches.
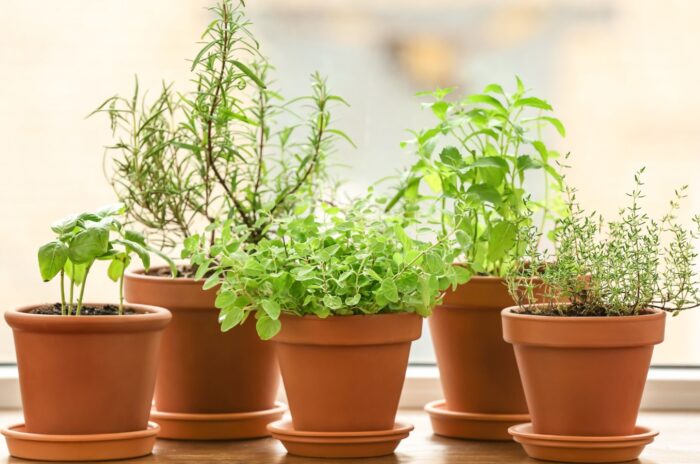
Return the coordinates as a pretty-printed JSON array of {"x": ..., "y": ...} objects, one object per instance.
[
  {"x": 63, "y": 293},
  {"x": 72, "y": 286},
  {"x": 121, "y": 294},
  {"x": 82, "y": 292}
]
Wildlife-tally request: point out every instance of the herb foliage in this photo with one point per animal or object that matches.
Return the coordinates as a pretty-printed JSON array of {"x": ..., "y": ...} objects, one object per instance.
[
  {"x": 475, "y": 161},
  {"x": 617, "y": 268},
  {"x": 334, "y": 262},
  {"x": 83, "y": 239},
  {"x": 187, "y": 159}
]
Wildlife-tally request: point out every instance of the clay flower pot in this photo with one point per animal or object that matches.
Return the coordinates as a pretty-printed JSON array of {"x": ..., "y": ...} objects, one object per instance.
[
  {"x": 203, "y": 370},
  {"x": 345, "y": 373},
  {"x": 84, "y": 375},
  {"x": 478, "y": 371},
  {"x": 583, "y": 376}
]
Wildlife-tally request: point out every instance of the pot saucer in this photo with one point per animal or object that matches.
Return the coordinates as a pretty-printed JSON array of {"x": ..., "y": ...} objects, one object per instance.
[
  {"x": 78, "y": 448},
  {"x": 228, "y": 426},
  {"x": 339, "y": 444},
  {"x": 471, "y": 426},
  {"x": 582, "y": 449}
]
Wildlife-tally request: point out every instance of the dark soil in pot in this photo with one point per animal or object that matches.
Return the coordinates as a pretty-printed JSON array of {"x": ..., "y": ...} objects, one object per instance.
[{"x": 104, "y": 310}]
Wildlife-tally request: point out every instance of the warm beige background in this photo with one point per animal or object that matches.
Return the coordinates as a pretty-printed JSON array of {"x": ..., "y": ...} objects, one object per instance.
[{"x": 622, "y": 75}]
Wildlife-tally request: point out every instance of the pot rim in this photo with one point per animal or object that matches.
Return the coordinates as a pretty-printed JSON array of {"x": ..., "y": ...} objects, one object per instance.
[
  {"x": 583, "y": 332},
  {"x": 140, "y": 274},
  {"x": 356, "y": 329},
  {"x": 149, "y": 318},
  {"x": 508, "y": 312}
]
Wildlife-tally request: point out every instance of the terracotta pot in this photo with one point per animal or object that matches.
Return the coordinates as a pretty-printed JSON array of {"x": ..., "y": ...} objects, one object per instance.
[
  {"x": 345, "y": 373},
  {"x": 87, "y": 374},
  {"x": 583, "y": 376},
  {"x": 477, "y": 368},
  {"x": 201, "y": 369}
]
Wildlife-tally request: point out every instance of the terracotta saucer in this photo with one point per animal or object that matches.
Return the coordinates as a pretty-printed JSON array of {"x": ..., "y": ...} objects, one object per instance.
[
  {"x": 562, "y": 448},
  {"x": 339, "y": 444},
  {"x": 229, "y": 426},
  {"x": 76, "y": 448},
  {"x": 471, "y": 426}
]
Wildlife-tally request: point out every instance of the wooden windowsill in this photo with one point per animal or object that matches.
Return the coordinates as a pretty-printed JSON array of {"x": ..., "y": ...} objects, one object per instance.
[{"x": 677, "y": 444}]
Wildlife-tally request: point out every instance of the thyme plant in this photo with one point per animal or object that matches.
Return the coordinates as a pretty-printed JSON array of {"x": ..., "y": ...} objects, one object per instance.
[
  {"x": 189, "y": 158},
  {"x": 476, "y": 160},
  {"x": 337, "y": 261},
  {"x": 616, "y": 268},
  {"x": 83, "y": 239}
]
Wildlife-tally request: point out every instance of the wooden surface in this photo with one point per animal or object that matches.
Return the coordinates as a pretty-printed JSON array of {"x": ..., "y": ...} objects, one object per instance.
[{"x": 678, "y": 443}]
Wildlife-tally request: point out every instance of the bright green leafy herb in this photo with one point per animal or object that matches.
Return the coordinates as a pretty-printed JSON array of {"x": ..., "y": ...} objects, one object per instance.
[
  {"x": 334, "y": 262},
  {"x": 619, "y": 268},
  {"x": 475, "y": 161},
  {"x": 83, "y": 239},
  {"x": 191, "y": 158}
]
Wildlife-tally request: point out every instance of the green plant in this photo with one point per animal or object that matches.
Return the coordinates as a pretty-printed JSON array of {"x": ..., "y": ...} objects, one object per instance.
[
  {"x": 475, "y": 160},
  {"x": 188, "y": 159},
  {"x": 323, "y": 263},
  {"x": 83, "y": 239},
  {"x": 618, "y": 268}
]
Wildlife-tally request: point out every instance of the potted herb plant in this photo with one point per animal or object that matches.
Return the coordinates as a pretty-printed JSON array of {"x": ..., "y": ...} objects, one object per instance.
[
  {"x": 341, "y": 293},
  {"x": 481, "y": 161},
  {"x": 187, "y": 159},
  {"x": 87, "y": 371},
  {"x": 584, "y": 363}
]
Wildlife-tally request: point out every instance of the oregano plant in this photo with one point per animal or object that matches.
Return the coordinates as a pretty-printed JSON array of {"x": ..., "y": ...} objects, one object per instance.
[
  {"x": 81, "y": 241},
  {"x": 476, "y": 162},
  {"x": 191, "y": 157},
  {"x": 326, "y": 261},
  {"x": 620, "y": 267}
]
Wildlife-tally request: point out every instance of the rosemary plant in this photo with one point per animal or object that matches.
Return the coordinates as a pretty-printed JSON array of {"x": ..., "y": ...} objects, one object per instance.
[
  {"x": 188, "y": 159},
  {"x": 619, "y": 268}
]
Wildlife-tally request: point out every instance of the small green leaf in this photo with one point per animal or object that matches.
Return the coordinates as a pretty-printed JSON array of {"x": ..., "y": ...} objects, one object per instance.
[
  {"x": 271, "y": 308},
  {"x": 212, "y": 281},
  {"x": 525, "y": 162},
  {"x": 487, "y": 99},
  {"x": 496, "y": 162},
  {"x": 115, "y": 269},
  {"x": 494, "y": 88},
  {"x": 267, "y": 327},
  {"x": 115, "y": 209},
  {"x": 485, "y": 193},
  {"x": 501, "y": 240},
  {"x": 556, "y": 123},
  {"x": 247, "y": 71},
  {"x": 389, "y": 291},
  {"x": 88, "y": 244},
  {"x": 232, "y": 316},
  {"x": 451, "y": 156},
  {"x": 76, "y": 272},
  {"x": 533, "y": 102},
  {"x": 52, "y": 257},
  {"x": 140, "y": 250},
  {"x": 332, "y": 301},
  {"x": 134, "y": 236},
  {"x": 434, "y": 182},
  {"x": 65, "y": 225}
]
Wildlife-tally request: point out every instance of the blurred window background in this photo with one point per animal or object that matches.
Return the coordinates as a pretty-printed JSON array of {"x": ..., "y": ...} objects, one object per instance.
[{"x": 621, "y": 74}]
